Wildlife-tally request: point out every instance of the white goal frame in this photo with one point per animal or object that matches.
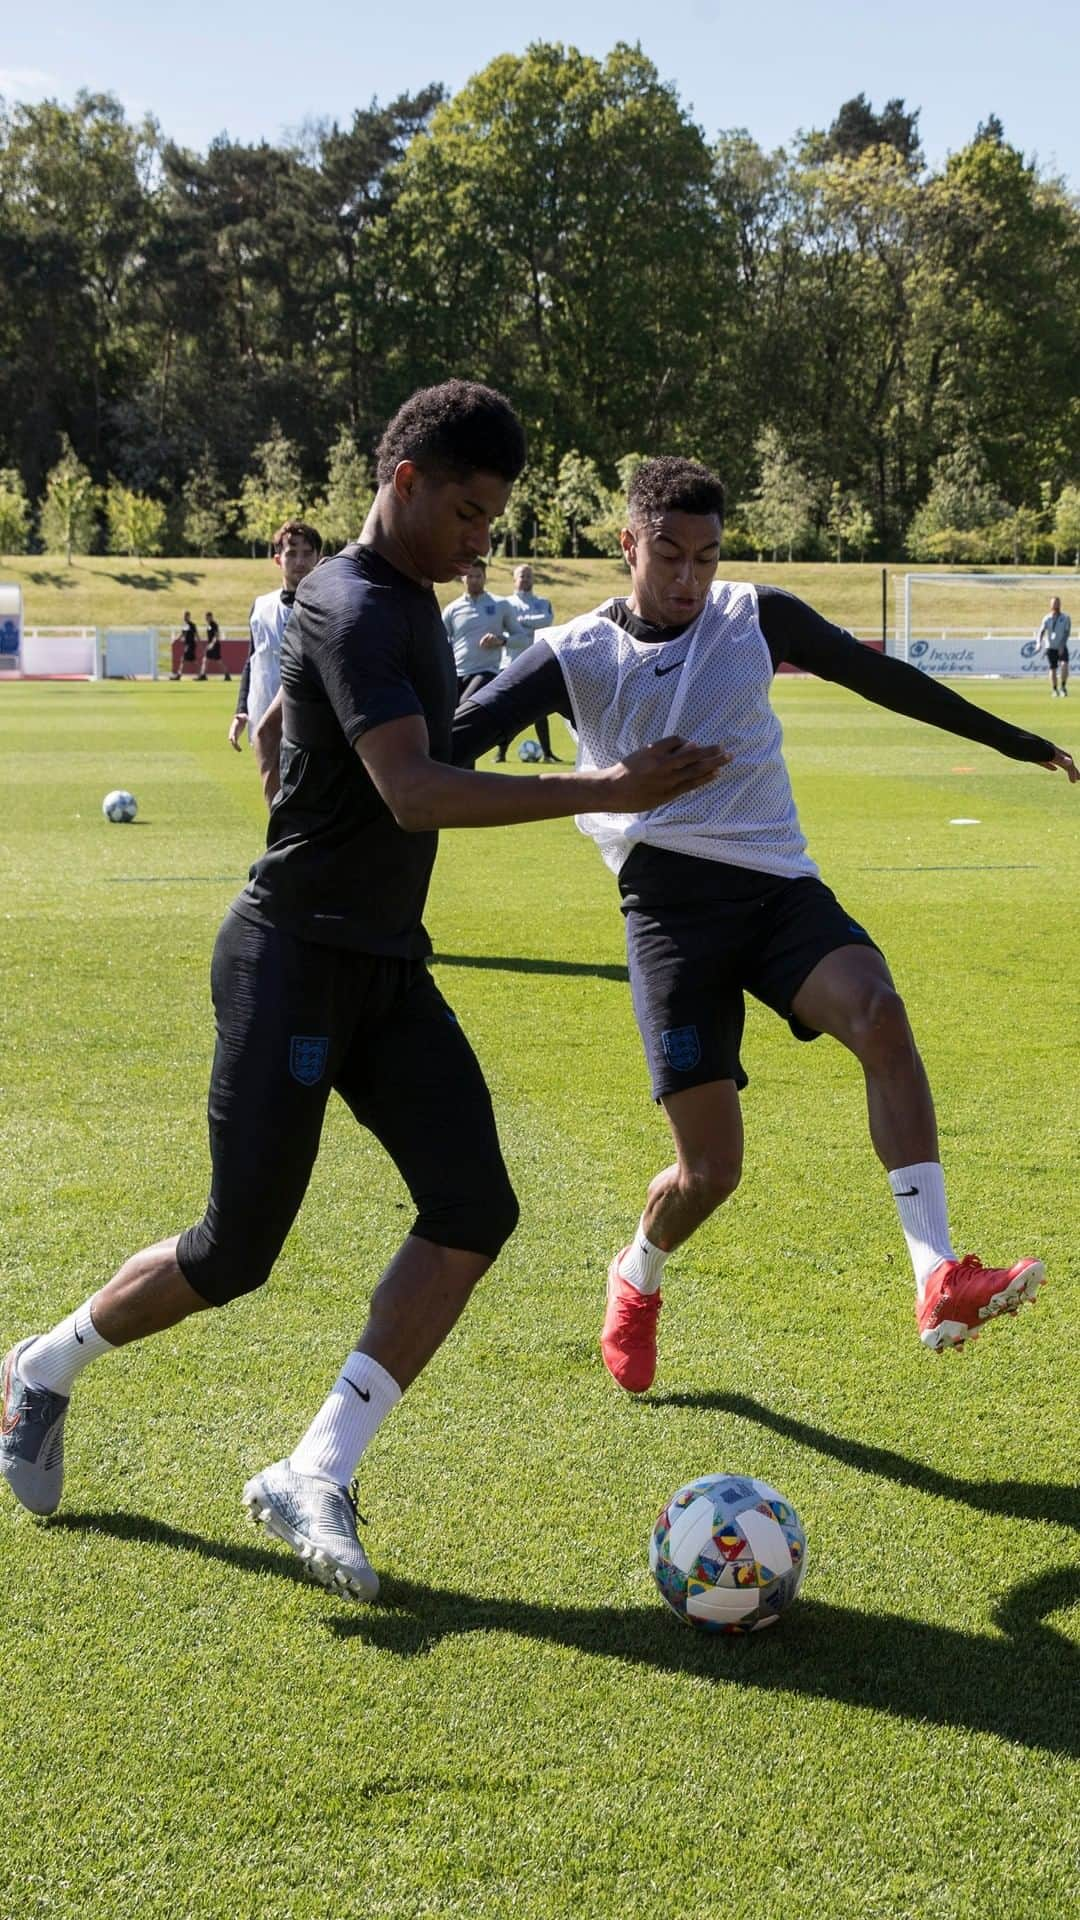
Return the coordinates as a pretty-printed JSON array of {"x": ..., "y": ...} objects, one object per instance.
[{"x": 1003, "y": 652}]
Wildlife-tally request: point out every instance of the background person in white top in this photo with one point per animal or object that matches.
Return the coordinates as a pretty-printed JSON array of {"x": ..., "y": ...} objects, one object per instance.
[
  {"x": 532, "y": 613},
  {"x": 1054, "y": 641},
  {"x": 297, "y": 547},
  {"x": 722, "y": 898}
]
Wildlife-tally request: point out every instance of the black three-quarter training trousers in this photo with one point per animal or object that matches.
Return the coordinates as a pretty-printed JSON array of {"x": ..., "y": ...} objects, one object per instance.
[{"x": 295, "y": 1020}]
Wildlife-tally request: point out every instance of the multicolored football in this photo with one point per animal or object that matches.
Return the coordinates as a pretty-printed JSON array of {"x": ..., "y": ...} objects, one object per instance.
[{"x": 728, "y": 1553}]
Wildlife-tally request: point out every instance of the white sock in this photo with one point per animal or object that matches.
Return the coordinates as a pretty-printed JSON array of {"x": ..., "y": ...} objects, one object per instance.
[
  {"x": 348, "y": 1420},
  {"x": 642, "y": 1264},
  {"x": 55, "y": 1360},
  {"x": 919, "y": 1193}
]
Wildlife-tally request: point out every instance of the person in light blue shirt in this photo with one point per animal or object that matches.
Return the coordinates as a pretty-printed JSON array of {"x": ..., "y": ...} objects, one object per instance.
[
  {"x": 532, "y": 613},
  {"x": 1054, "y": 640},
  {"x": 478, "y": 625}
]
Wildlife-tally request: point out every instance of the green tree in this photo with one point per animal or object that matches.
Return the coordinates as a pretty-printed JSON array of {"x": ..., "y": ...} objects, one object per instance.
[
  {"x": 76, "y": 189},
  {"x": 14, "y": 512},
  {"x": 205, "y": 507},
  {"x": 848, "y": 520},
  {"x": 579, "y": 492},
  {"x": 272, "y": 491},
  {"x": 553, "y": 231},
  {"x": 350, "y": 491},
  {"x": 996, "y": 314},
  {"x": 1067, "y": 524},
  {"x": 780, "y": 512},
  {"x": 135, "y": 523},
  {"x": 609, "y": 517},
  {"x": 516, "y": 525},
  {"x": 961, "y": 515},
  {"x": 552, "y": 529},
  {"x": 69, "y": 509},
  {"x": 857, "y": 128},
  {"x": 1020, "y": 535}
]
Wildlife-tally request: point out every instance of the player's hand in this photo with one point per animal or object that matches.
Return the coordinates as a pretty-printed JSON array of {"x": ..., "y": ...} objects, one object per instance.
[
  {"x": 1066, "y": 762},
  {"x": 653, "y": 775},
  {"x": 490, "y": 640},
  {"x": 239, "y": 722}
]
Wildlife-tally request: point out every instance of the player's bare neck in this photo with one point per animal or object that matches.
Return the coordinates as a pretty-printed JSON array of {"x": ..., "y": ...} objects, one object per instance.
[{"x": 387, "y": 540}]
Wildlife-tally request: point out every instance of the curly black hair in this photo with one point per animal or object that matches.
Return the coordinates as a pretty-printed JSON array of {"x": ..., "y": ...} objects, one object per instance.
[
  {"x": 672, "y": 485},
  {"x": 454, "y": 430}
]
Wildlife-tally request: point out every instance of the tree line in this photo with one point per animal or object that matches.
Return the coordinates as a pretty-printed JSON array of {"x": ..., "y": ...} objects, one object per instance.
[{"x": 878, "y": 357}]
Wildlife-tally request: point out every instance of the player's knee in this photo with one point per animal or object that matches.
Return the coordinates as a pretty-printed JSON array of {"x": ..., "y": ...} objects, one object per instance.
[
  {"x": 879, "y": 1029},
  {"x": 481, "y": 1222},
  {"x": 710, "y": 1179},
  {"x": 221, "y": 1270}
]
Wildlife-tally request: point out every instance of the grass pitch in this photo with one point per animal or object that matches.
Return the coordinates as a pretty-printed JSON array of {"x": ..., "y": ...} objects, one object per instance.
[{"x": 519, "y": 1728}]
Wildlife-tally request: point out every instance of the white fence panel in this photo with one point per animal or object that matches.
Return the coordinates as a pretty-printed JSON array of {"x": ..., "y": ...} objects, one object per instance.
[
  {"x": 60, "y": 653},
  {"x": 130, "y": 653}
]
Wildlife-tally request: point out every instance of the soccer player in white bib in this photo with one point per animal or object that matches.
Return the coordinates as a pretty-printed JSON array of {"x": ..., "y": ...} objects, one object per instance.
[
  {"x": 297, "y": 547},
  {"x": 721, "y": 896}
]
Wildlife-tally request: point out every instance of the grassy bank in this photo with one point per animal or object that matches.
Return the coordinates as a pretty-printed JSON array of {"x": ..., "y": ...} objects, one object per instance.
[{"x": 101, "y": 591}]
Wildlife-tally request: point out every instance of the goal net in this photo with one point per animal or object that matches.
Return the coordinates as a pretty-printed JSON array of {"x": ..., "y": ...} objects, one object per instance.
[{"x": 973, "y": 624}]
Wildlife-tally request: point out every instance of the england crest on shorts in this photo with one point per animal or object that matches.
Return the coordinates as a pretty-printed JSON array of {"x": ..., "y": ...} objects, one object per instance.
[
  {"x": 682, "y": 1048},
  {"x": 307, "y": 1057}
]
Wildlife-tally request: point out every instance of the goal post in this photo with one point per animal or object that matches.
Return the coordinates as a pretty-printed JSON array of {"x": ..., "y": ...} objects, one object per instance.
[{"x": 976, "y": 624}]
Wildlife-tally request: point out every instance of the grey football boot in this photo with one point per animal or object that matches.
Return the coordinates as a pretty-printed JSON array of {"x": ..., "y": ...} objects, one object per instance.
[
  {"x": 31, "y": 1437},
  {"x": 317, "y": 1519}
]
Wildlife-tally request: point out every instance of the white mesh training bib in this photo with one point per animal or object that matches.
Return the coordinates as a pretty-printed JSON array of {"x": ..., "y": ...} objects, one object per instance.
[{"x": 711, "y": 686}]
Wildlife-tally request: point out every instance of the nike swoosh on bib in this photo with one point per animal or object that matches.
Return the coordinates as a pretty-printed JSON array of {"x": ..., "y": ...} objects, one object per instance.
[{"x": 674, "y": 667}]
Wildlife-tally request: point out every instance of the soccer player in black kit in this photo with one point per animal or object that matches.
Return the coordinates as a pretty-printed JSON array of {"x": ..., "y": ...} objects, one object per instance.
[
  {"x": 721, "y": 897},
  {"x": 320, "y": 983}
]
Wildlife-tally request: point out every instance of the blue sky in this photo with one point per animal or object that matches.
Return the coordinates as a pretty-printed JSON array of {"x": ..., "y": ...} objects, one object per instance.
[{"x": 248, "y": 70}]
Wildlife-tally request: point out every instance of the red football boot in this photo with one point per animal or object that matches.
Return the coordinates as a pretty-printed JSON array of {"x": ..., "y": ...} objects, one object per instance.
[
  {"x": 962, "y": 1296},
  {"x": 628, "y": 1340}
]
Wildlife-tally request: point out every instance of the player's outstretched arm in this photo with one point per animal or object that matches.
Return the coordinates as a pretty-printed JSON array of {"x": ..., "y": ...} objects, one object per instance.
[
  {"x": 524, "y": 692},
  {"x": 424, "y": 795}
]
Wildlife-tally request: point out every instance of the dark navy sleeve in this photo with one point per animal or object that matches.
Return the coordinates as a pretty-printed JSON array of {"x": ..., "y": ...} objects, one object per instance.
[
  {"x": 795, "y": 633},
  {"x": 244, "y": 688},
  {"x": 520, "y": 695},
  {"x": 361, "y": 658}
]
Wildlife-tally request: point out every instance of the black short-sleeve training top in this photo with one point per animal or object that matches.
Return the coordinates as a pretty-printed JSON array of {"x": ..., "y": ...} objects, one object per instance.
[{"x": 364, "y": 645}]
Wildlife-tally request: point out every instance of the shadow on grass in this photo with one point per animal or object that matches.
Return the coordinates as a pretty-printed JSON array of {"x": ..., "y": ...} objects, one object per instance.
[
  {"x": 1021, "y": 1688},
  {"x": 501, "y": 963},
  {"x": 157, "y": 580},
  {"x": 1012, "y": 1499},
  {"x": 157, "y": 1533}
]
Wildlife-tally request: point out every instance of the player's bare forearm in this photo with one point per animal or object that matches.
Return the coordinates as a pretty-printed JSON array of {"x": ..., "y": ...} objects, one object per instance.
[
  {"x": 425, "y": 795},
  {"x": 266, "y": 747}
]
